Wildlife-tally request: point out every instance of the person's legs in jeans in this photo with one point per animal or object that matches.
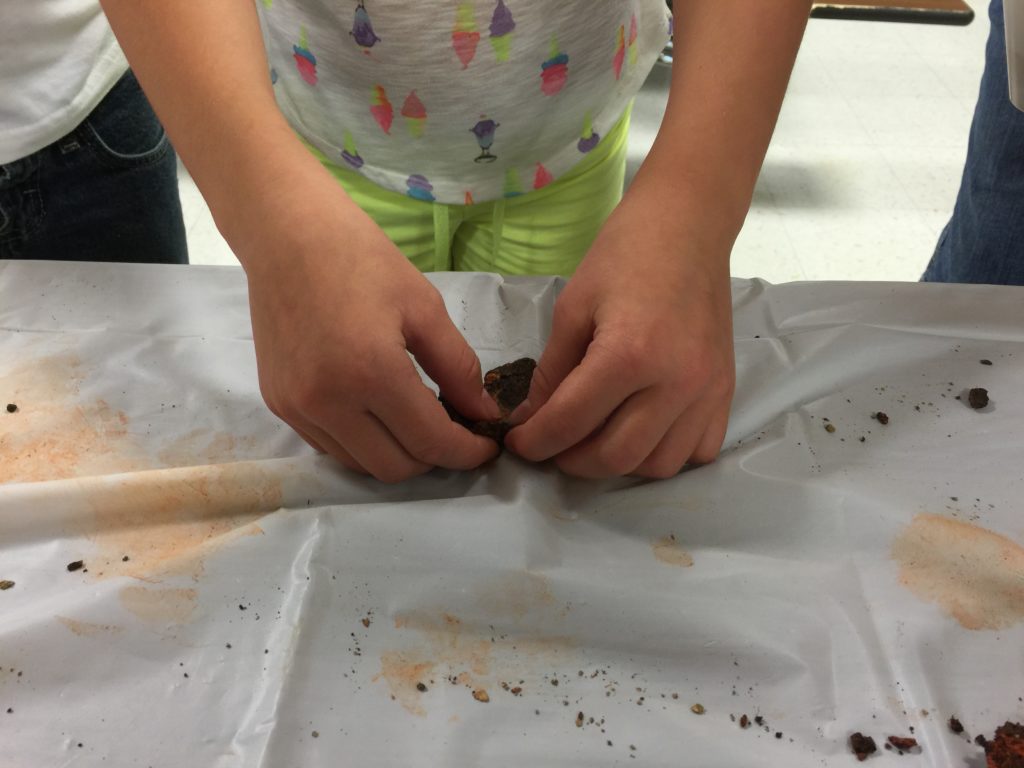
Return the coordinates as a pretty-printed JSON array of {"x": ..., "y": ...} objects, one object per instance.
[
  {"x": 108, "y": 191},
  {"x": 984, "y": 240}
]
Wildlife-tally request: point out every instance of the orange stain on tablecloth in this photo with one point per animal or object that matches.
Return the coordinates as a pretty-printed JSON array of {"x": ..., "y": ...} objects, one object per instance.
[
  {"x": 975, "y": 575},
  {"x": 668, "y": 551},
  {"x": 88, "y": 628},
  {"x": 54, "y": 435},
  {"x": 159, "y": 606},
  {"x": 166, "y": 521}
]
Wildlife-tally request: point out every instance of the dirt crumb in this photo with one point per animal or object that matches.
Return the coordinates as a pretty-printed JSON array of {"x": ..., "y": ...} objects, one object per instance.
[
  {"x": 744, "y": 721},
  {"x": 481, "y": 695},
  {"x": 903, "y": 743},
  {"x": 862, "y": 746},
  {"x": 77, "y": 565},
  {"x": 12, "y": 408},
  {"x": 421, "y": 687},
  {"x": 977, "y": 398},
  {"x": 955, "y": 725},
  {"x": 882, "y": 418},
  {"x": 6, "y": 584},
  {"x": 1006, "y": 749},
  {"x": 698, "y": 709}
]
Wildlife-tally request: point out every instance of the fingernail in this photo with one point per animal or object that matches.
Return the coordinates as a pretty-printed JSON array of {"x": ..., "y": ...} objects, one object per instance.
[
  {"x": 520, "y": 414},
  {"x": 490, "y": 408}
]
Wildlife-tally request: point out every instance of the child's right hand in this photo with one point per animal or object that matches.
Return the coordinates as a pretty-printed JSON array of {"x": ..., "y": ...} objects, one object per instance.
[{"x": 335, "y": 310}]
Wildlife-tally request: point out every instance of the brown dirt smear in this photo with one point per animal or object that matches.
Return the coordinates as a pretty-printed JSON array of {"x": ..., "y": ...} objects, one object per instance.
[
  {"x": 88, "y": 628},
  {"x": 667, "y": 550},
  {"x": 975, "y": 575},
  {"x": 159, "y": 606}
]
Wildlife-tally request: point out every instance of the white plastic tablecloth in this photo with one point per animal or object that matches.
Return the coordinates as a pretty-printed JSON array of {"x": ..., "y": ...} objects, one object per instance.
[{"x": 244, "y": 602}]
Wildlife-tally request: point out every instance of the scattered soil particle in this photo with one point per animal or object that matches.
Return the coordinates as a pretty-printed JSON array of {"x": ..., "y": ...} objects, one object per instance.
[
  {"x": 744, "y": 721},
  {"x": 554, "y": 682},
  {"x": 6, "y": 584},
  {"x": 1006, "y": 750},
  {"x": 10, "y": 710},
  {"x": 421, "y": 687},
  {"x": 955, "y": 725},
  {"x": 862, "y": 746},
  {"x": 516, "y": 691},
  {"x": 12, "y": 408},
  {"x": 977, "y": 398},
  {"x": 579, "y": 719},
  {"x": 830, "y": 428},
  {"x": 903, "y": 743},
  {"x": 778, "y": 734},
  {"x": 366, "y": 622},
  {"x": 698, "y": 709},
  {"x": 508, "y": 385},
  {"x": 76, "y": 565},
  {"x": 316, "y": 734},
  {"x": 124, "y": 559},
  {"x": 758, "y": 719},
  {"x": 481, "y": 695},
  {"x": 882, "y": 418},
  {"x": 985, "y": 362},
  {"x": 980, "y": 740}
]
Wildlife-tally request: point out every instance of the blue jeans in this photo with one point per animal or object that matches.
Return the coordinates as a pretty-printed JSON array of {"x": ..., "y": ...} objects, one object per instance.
[
  {"x": 984, "y": 240},
  {"x": 108, "y": 191}
]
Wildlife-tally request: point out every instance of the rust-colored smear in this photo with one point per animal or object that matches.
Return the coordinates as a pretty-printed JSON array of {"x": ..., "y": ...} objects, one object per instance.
[
  {"x": 54, "y": 435},
  {"x": 167, "y": 521},
  {"x": 516, "y": 595},
  {"x": 88, "y": 628},
  {"x": 159, "y": 606},
  {"x": 976, "y": 576},
  {"x": 447, "y": 652},
  {"x": 201, "y": 446},
  {"x": 668, "y": 551}
]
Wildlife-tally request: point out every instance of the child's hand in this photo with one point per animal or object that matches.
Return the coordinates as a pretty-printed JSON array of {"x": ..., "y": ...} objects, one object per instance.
[
  {"x": 335, "y": 307},
  {"x": 638, "y": 374}
]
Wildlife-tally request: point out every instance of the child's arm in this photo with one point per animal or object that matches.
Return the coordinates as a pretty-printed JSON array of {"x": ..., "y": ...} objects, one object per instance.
[
  {"x": 334, "y": 304},
  {"x": 638, "y": 375}
]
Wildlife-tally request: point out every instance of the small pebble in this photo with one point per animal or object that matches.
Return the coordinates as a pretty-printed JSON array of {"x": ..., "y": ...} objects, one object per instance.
[
  {"x": 697, "y": 709},
  {"x": 985, "y": 362},
  {"x": 76, "y": 565},
  {"x": 421, "y": 687},
  {"x": 6, "y": 584},
  {"x": 481, "y": 696},
  {"x": 830, "y": 428},
  {"x": 12, "y": 408},
  {"x": 977, "y": 398},
  {"x": 882, "y": 418},
  {"x": 316, "y": 734}
]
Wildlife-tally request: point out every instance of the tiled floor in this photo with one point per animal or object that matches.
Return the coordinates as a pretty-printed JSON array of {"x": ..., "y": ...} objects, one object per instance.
[{"x": 865, "y": 162}]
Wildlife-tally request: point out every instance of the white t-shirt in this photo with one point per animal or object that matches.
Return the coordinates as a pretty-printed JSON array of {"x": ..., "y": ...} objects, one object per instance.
[
  {"x": 58, "y": 59},
  {"x": 459, "y": 101}
]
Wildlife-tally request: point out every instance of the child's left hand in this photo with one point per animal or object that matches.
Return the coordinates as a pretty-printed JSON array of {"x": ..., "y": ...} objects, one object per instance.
[{"x": 638, "y": 374}]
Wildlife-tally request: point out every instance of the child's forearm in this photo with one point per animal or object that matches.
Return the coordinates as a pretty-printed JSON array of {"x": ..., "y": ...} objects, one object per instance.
[
  {"x": 733, "y": 59},
  {"x": 204, "y": 69}
]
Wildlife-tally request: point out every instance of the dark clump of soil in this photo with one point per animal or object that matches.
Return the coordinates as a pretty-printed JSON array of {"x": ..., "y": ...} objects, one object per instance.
[
  {"x": 903, "y": 743},
  {"x": 744, "y": 721},
  {"x": 1006, "y": 749},
  {"x": 421, "y": 687},
  {"x": 882, "y": 418},
  {"x": 977, "y": 398},
  {"x": 985, "y": 362},
  {"x": 508, "y": 385},
  {"x": 955, "y": 725},
  {"x": 12, "y": 408},
  {"x": 862, "y": 746},
  {"x": 6, "y": 584},
  {"x": 76, "y": 565}
]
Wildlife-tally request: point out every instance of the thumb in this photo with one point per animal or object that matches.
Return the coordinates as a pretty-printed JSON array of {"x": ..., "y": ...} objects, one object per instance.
[
  {"x": 447, "y": 358},
  {"x": 566, "y": 347}
]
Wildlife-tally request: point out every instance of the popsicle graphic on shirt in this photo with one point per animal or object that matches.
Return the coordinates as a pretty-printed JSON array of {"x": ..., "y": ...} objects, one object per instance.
[
  {"x": 620, "y": 53},
  {"x": 305, "y": 61},
  {"x": 484, "y": 132},
  {"x": 589, "y": 138},
  {"x": 415, "y": 114},
  {"x": 350, "y": 154},
  {"x": 554, "y": 71},
  {"x": 542, "y": 177},
  {"x": 362, "y": 29},
  {"x": 419, "y": 188},
  {"x": 465, "y": 35},
  {"x": 632, "y": 41},
  {"x": 502, "y": 26},
  {"x": 381, "y": 108}
]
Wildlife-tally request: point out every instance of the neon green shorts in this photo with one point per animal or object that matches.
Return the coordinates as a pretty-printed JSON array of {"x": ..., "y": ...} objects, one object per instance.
[{"x": 543, "y": 232}]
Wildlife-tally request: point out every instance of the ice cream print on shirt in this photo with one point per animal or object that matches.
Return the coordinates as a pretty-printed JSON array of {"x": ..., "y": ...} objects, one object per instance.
[
  {"x": 459, "y": 102},
  {"x": 502, "y": 25},
  {"x": 362, "y": 29},
  {"x": 484, "y": 132},
  {"x": 304, "y": 58}
]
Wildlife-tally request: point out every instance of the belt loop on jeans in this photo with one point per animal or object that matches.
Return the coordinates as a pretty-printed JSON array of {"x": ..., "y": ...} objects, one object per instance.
[{"x": 442, "y": 238}]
